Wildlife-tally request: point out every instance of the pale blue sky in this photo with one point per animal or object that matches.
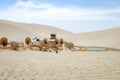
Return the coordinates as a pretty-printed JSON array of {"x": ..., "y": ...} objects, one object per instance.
[{"x": 73, "y": 15}]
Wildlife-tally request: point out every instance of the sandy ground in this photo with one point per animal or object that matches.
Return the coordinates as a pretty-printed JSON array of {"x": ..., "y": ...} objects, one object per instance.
[{"x": 66, "y": 65}]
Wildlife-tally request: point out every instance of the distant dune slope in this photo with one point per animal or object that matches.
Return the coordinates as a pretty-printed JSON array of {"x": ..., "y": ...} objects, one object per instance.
[
  {"x": 12, "y": 32},
  {"x": 109, "y": 37},
  {"x": 35, "y": 28},
  {"x": 15, "y": 30}
]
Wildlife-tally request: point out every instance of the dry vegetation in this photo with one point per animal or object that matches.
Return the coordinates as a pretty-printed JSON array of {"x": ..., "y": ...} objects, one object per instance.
[
  {"x": 69, "y": 45},
  {"x": 28, "y": 40},
  {"x": 4, "y": 42},
  {"x": 16, "y": 45},
  {"x": 45, "y": 45}
]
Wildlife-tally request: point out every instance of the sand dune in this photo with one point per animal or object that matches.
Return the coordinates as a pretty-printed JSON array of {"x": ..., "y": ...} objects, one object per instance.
[
  {"x": 106, "y": 38},
  {"x": 8, "y": 28},
  {"x": 66, "y": 65},
  {"x": 18, "y": 31},
  {"x": 35, "y": 28}
]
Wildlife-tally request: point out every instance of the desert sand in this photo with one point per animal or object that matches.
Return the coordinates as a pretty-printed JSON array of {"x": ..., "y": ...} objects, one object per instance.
[{"x": 66, "y": 65}]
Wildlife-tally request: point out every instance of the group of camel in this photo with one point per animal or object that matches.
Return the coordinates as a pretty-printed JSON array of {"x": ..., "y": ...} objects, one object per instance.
[{"x": 33, "y": 44}]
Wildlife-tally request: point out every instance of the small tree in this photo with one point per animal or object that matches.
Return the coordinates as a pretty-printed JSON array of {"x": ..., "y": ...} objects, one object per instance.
[
  {"x": 56, "y": 41},
  {"x": 28, "y": 40},
  {"x": 0, "y": 43},
  {"x": 45, "y": 40},
  {"x": 4, "y": 41},
  {"x": 61, "y": 40}
]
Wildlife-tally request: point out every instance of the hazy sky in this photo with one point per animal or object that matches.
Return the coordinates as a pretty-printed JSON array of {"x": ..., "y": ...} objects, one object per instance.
[{"x": 73, "y": 15}]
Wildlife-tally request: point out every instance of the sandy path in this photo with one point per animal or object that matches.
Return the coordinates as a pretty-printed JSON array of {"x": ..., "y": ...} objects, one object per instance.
[{"x": 67, "y": 65}]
